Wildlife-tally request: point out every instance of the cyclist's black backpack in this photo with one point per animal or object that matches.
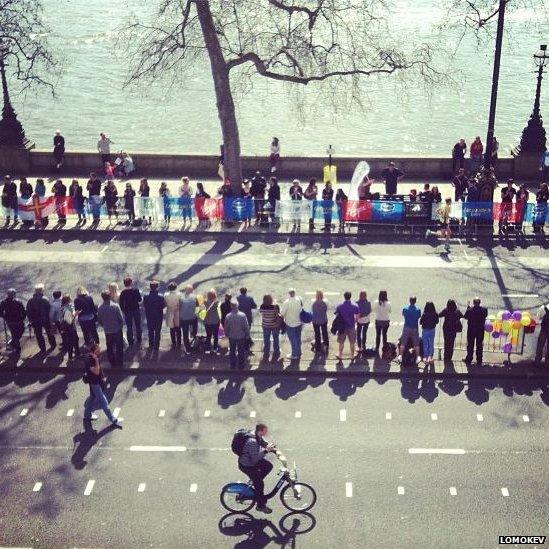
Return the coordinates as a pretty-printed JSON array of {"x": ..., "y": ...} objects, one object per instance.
[{"x": 239, "y": 439}]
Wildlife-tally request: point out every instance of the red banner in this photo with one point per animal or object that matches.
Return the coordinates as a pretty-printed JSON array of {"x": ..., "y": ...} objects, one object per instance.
[
  {"x": 510, "y": 212},
  {"x": 358, "y": 210},
  {"x": 209, "y": 208}
]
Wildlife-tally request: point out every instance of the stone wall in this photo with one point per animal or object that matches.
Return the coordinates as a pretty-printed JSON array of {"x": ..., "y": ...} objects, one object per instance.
[{"x": 205, "y": 166}]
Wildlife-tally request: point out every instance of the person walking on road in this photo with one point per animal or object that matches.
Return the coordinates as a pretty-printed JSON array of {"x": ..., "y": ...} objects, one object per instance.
[
  {"x": 476, "y": 317},
  {"x": 252, "y": 463},
  {"x": 129, "y": 301},
  {"x": 410, "y": 332},
  {"x": 543, "y": 337},
  {"x": 291, "y": 312},
  {"x": 96, "y": 379},
  {"x": 270, "y": 323},
  {"x": 246, "y": 304},
  {"x": 319, "y": 310},
  {"x": 87, "y": 315},
  {"x": 237, "y": 331},
  {"x": 154, "y": 305},
  {"x": 450, "y": 328},
  {"x": 363, "y": 320},
  {"x": 349, "y": 312},
  {"x": 382, "y": 314},
  {"x": 13, "y": 313},
  {"x": 188, "y": 303},
  {"x": 38, "y": 313},
  {"x": 428, "y": 321},
  {"x": 172, "y": 314},
  {"x": 109, "y": 317}
]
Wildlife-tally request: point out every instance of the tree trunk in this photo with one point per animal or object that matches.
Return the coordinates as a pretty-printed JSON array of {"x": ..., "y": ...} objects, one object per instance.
[{"x": 225, "y": 103}]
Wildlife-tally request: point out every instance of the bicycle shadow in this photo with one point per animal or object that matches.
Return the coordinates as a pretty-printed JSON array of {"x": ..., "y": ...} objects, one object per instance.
[{"x": 258, "y": 533}]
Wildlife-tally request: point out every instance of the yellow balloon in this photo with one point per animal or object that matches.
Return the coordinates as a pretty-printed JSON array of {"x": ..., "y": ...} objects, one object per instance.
[
  {"x": 517, "y": 324},
  {"x": 514, "y": 340},
  {"x": 506, "y": 326},
  {"x": 498, "y": 325},
  {"x": 499, "y": 315},
  {"x": 525, "y": 320},
  {"x": 202, "y": 315},
  {"x": 492, "y": 318}
]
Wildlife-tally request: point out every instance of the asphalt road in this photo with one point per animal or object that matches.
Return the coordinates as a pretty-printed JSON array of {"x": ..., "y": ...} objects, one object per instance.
[{"x": 352, "y": 440}]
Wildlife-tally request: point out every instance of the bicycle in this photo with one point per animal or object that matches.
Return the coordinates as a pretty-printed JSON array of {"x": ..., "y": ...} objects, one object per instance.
[{"x": 239, "y": 497}]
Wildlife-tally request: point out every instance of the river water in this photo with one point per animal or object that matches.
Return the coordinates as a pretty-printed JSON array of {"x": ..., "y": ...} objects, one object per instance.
[{"x": 91, "y": 98}]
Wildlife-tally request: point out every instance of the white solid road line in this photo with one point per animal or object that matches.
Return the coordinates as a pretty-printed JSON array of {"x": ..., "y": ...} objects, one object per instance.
[
  {"x": 453, "y": 491},
  {"x": 207, "y": 413},
  {"x": 158, "y": 448},
  {"x": 24, "y": 412},
  {"x": 37, "y": 487},
  {"x": 480, "y": 417},
  {"x": 434, "y": 417},
  {"x": 162, "y": 413},
  {"x": 89, "y": 487},
  {"x": 116, "y": 412},
  {"x": 70, "y": 412},
  {"x": 104, "y": 249},
  {"x": 298, "y": 414},
  {"x": 520, "y": 295},
  {"x": 343, "y": 415},
  {"x": 525, "y": 418},
  {"x": 400, "y": 490},
  {"x": 505, "y": 492},
  {"x": 193, "y": 488},
  {"x": 252, "y": 413},
  {"x": 349, "y": 489},
  {"x": 451, "y": 451},
  {"x": 141, "y": 487},
  {"x": 388, "y": 415}
]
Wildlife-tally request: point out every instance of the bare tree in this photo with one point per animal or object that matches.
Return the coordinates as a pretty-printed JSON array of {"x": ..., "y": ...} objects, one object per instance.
[
  {"x": 304, "y": 42},
  {"x": 24, "y": 57}
]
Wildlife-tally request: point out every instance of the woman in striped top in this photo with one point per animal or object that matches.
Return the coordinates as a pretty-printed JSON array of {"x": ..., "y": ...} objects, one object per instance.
[{"x": 270, "y": 314}]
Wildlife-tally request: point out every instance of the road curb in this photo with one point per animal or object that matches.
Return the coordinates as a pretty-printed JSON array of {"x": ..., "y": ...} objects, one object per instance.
[{"x": 225, "y": 372}]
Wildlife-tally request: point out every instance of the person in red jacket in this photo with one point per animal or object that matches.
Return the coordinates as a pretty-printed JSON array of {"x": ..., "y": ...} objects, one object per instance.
[{"x": 475, "y": 151}]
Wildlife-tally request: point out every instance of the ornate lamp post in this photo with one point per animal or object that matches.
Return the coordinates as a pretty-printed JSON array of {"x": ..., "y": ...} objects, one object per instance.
[
  {"x": 533, "y": 140},
  {"x": 11, "y": 131}
]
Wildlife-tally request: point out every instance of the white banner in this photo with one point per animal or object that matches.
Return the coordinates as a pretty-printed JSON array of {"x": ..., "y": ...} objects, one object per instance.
[
  {"x": 455, "y": 211},
  {"x": 293, "y": 210},
  {"x": 149, "y": 206}
]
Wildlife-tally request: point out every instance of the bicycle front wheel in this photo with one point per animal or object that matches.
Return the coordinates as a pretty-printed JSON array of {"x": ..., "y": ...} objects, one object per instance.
[
  {"x": 235, "y": 503},
  {"x": 299, "y": 497}
]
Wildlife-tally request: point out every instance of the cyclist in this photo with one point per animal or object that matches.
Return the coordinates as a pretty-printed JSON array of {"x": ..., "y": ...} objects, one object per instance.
[{"x": 252, "y": 462}]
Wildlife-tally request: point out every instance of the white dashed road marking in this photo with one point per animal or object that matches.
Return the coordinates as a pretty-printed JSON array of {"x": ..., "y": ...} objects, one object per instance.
[
  {"x": 434, "y": 417},
  {"x": 388, "y": 415},
  {"x": 158, "y": 449},
  {"x": 343, "y": 415},
  {"x": 207, "y": 413},
  {"x": 89, "y": 487},
  {"x": 505, "y": 492},
  {"x": 37, "y": 487},
  {"x": 453, "y": 491},
  {"x": 349, "y": 489},
  {"x": 480, "y": 417},
  {"x": 525, "y": 418},
  {"x": 451, "y": 451},
  {"x": 70, "y": 412},
  {"x": 141, "y": 487},
  {"x": 400, "y": 490},
  {"x": 193, "y": 488},
  {"x": 298, "y": 414},
  {"x": 116, "y": 412},
  {"x": 252, "y": 413},
  {"x": 162, "y": 413},
  {"x": 24, "y": 412}
]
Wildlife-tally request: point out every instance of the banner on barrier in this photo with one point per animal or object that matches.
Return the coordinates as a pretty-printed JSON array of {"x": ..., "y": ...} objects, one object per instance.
[
  {"x": 238, "y": 209},
  {"x": 36, "y": 207},
  {"x": 537, "y": 213},
  {"x": 388, "y": 211},
  {"x": 456, "y": 210},
  {"x": 324, "y": 210},
  {"x": 510, "y": 212},
  {"x": 358, "y": 211},
  {"x": 209, "y": 208},
  {"x": 478, "y": 211},
  {"x": 293, "y": 210}
]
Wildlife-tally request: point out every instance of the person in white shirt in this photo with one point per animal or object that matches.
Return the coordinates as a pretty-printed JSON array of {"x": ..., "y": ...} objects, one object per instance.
[
  {"x": 382, "y": 314},
  {"x": 104, "y": 148},
  {"x": 291, "y": 312}
]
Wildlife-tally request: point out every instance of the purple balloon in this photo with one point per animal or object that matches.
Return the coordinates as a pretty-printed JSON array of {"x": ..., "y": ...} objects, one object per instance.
[
  {"x": 495, "y": 335},
  {"x": 506, "y": 315},
  {"x": 508, "y": 347},
  {"x": 488, "y": 327},
  {"x": 517, "y": 315}
]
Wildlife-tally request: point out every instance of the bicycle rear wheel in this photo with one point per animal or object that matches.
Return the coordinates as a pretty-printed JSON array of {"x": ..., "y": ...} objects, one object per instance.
[
  {"x": 300, "y": 497},
  {"x": 235, "y": 503}
]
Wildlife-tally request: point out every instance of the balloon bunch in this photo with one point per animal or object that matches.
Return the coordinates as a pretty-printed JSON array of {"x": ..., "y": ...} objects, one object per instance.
[{"x": 506, "y": 324}]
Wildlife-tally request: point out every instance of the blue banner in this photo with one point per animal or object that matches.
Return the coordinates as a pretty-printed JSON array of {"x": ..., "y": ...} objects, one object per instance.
[
  {"x": 239, "y": 209},
  {"x": 478, "y": 211},
  {"x": 324, "y": 209},
  {"x": 386, "y": 211},
  {"x": 537, "y": 214}
]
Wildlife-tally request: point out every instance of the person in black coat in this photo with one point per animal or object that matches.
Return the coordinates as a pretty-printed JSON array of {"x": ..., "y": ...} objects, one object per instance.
[
  {"x": 154, "y": 305},
  {"x": 38, "y": 313},
  {"x": 327, "y": 196},
  {"x": 13, "y": 313},
  {"x": 25, "y": 188},
  {"x": 9, "y": 198},
  {"x": 273, "y": 195},
  {"x": 450, "y": 328},
  {"x": 476, "y": 317},
  {"x": 58, "y": 149}
]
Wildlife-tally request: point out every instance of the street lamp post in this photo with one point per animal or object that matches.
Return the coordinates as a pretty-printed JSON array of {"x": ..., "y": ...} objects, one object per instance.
[
  {"x": 11, "y": 131},
  {"x": 533, "y": 140}
]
